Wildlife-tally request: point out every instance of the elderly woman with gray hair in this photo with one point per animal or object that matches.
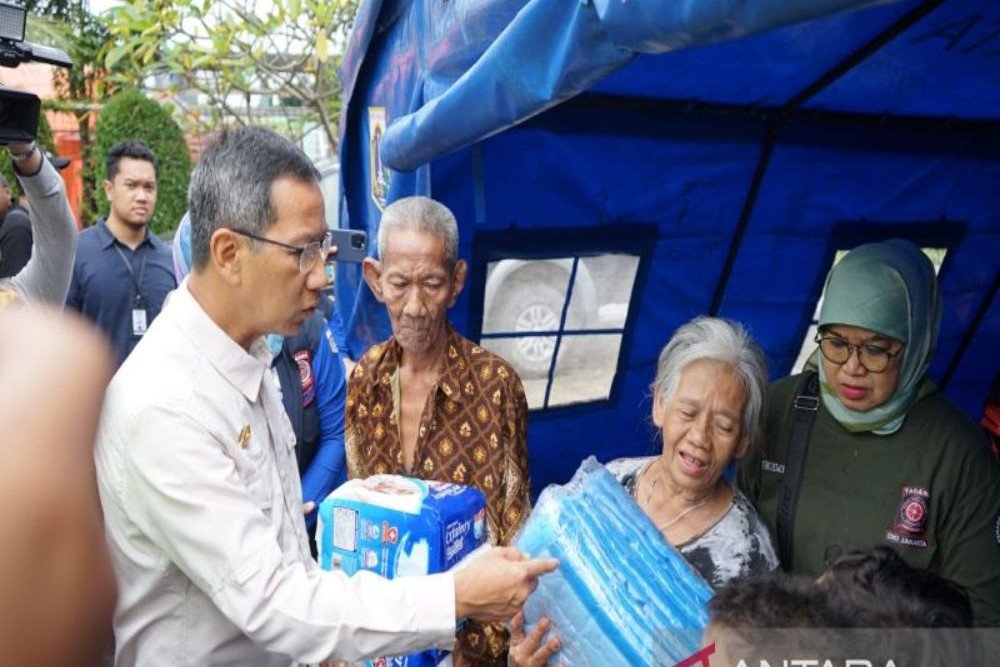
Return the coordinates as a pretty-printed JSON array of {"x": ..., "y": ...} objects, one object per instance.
[{"x": 708, "y": 397}]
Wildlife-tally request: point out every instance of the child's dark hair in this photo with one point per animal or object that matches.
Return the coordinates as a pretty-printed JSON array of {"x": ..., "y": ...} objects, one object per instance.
[{"x": 892, "y": 593}]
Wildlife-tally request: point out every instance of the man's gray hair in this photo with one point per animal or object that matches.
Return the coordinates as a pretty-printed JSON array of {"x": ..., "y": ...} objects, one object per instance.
[
  {"x": 231, "y": 186},
  {"x": 723, "y": 341},
  {"x": 420, "y": 214}
]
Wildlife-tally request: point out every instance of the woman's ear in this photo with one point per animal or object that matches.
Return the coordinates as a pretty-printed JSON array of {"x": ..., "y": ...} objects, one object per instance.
[
  {"x": 742, "y": 448},
  {"x": 659, "y": 409}
]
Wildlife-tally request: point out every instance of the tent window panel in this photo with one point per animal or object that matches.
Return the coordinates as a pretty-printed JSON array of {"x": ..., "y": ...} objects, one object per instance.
[
  {"x": 936, "y": 255},
  {"x": 585, "y": 371},
  {"x": 526, "y": 295},
  {"x": 603, "y": 291},
  {"x": 526, "y": 299},
  {"x": 534, "y": 385}
]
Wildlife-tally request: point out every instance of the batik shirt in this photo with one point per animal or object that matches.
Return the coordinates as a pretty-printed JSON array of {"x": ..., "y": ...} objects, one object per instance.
[{"x": 473, "y": 431}]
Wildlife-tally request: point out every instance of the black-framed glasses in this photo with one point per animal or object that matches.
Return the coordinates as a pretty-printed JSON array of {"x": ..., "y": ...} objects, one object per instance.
[
  {"x": 874, "y": 358},
  {"x": 309, "y": 254}
]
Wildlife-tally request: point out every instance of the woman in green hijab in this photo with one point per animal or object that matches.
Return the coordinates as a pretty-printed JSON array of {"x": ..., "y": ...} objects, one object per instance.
[{"x": 862, "y": 450}]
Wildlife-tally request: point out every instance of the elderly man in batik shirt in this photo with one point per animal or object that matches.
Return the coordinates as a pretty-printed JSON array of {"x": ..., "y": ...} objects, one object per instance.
[{"x": 429, "y": 403}]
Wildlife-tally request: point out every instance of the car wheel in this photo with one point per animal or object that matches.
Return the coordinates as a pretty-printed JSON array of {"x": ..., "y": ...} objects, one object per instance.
[{"x": 532, "y": 299}]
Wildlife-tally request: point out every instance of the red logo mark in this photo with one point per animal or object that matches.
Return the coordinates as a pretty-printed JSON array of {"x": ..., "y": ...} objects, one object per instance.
[
  {"x": 699, "y": 658},
  {"x": 389, "y": 533},
  {"x": 915, "y": 511}
]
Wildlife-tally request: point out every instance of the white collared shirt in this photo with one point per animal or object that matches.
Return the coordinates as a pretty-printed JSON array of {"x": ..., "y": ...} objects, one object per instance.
[{"x": 203, "y": 516}]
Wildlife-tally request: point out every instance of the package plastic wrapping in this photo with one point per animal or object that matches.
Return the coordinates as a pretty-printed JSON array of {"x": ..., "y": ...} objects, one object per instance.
[{"x": 622, "y": 595}]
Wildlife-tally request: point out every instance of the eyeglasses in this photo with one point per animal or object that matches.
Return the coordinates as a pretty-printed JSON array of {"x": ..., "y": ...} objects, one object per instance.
[
  {"x": 309, "y": 254},
  {"x": 873, "y": 358}
]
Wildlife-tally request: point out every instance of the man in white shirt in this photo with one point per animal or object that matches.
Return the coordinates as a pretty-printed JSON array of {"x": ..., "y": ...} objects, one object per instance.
[{"x": 196, "y": 466}]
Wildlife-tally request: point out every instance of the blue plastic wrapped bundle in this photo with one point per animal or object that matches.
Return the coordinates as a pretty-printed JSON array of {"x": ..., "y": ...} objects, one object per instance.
[{"x": 622, "y": 595}]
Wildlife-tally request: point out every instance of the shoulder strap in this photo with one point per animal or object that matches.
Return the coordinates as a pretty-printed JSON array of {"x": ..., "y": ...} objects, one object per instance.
[{"x": 804, "y": 410}]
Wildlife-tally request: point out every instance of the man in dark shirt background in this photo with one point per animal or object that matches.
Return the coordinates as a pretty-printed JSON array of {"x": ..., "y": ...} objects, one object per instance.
[
  {"x": 15, "y": 233},
  {"x": 123, "y": 271}
]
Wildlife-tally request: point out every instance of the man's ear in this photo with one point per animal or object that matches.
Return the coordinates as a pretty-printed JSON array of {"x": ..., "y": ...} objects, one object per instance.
[
  {"x": 372, "y": 270},
  {"x": 224, "y": 253},
  {"x": 458, "y": 280},
  {"x": 108, "y": 187}
]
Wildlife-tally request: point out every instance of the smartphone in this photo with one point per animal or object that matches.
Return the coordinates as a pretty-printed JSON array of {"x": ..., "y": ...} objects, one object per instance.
[{"x": 352, "y": 245}]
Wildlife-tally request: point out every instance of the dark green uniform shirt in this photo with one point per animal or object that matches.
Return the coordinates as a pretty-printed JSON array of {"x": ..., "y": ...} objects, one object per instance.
[{"x": 931, "y": 491}]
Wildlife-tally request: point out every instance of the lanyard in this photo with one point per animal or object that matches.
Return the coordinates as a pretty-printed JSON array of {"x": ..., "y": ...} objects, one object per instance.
[{"x": 137, "y": 282}]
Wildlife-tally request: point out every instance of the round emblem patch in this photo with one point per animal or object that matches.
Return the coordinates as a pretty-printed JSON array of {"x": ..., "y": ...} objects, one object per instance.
[
  {"x": 913, "y": 513},
  {"x": 304, "y": 361},
  {"x": 910, "y": 526}
]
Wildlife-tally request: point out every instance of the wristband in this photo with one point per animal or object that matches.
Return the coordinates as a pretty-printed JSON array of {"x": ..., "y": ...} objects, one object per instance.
[{"x": 21, "y": 157}]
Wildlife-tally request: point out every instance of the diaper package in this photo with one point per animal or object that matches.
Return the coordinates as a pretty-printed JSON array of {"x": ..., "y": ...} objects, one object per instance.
[
  {"x": 622, "y": 595},
  {"x": 397, "y": 527}
]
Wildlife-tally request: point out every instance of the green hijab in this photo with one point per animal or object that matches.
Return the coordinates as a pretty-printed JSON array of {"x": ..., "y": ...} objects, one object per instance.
[{"x": 889, "y": 288}]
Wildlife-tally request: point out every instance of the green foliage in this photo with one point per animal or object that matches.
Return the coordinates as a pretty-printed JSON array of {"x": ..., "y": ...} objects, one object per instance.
[
  {"x": 233, "y": 51},
  {"x": 131, "y": 115},
  {"x": 69, "y": 25},
  {"x": 44, "y": 139}
]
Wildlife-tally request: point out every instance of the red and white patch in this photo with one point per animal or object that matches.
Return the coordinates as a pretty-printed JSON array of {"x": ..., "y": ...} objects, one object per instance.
[
  {"x": 306, "y": 378},
  {"x": 914, "y": 512},
  {"x": 910, "y": 527}
]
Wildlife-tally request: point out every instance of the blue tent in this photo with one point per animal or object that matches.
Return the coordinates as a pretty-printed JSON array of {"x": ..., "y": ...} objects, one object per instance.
[{"x": 726, "y": 150}]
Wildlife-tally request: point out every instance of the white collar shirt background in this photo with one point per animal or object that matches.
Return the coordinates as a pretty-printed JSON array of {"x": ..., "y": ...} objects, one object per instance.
[{"x": 202, "y": 506}]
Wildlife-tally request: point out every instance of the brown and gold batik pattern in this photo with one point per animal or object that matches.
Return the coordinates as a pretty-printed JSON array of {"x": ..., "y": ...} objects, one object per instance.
[{"x": 473, "y": 431}]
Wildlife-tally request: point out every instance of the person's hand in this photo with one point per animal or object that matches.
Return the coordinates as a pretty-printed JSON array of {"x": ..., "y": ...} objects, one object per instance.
[
  {"x": 494, "y": 586},
  {"x": 530, "y": 650},
  {"x": 33, "y": 161},
  {"x": 308, "y": 507}
]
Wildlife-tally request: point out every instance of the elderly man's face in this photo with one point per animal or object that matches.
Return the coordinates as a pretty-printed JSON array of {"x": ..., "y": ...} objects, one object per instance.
[{"x": 417, "y": 286}]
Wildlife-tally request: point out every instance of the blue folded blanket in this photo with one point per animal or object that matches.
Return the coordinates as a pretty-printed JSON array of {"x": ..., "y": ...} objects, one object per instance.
[{"x": 622, "y": 595}]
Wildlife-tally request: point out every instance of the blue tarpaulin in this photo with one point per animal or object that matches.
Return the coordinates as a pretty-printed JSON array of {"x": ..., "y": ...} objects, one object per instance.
[{"x": 733, "y": 146}]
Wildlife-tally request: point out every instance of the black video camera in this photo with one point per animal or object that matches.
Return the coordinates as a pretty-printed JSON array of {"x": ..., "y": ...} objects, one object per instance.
[{"x": 19, "y": 109}]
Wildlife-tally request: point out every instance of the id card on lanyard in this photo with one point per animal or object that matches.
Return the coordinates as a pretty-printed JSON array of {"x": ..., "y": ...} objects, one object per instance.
[{"x": 139, "y": 320}]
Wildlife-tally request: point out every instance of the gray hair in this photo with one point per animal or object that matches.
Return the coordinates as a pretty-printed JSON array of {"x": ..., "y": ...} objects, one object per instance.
[
  {"x": 420, "y": 214},
  {"x": 231, "y": 186},
  {"x": 723, "y": 341}
]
